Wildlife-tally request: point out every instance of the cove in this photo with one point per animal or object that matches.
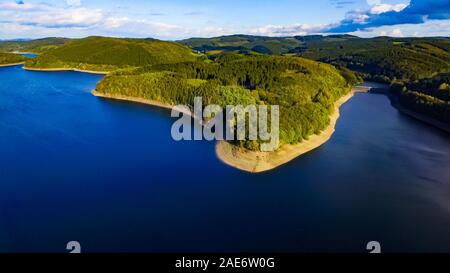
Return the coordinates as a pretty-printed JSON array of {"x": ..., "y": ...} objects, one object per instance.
[{"x": 74, "y": 167}]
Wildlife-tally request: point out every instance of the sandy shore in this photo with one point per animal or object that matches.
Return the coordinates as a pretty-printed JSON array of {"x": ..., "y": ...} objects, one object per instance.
[
  {"x": 256, "y": 162},
  {"x": 14, "y": 64},
  {"x": 65, "y": 69},
  {"x": 19, "y": 52},
  {"x": 139, "y": 100},
  {"x": 132, "y": 99}
]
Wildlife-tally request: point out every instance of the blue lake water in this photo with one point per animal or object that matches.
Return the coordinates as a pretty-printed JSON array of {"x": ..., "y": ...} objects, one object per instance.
[
  {"x": 108, "y": 174},
  {"x": 29, "y": 55}
]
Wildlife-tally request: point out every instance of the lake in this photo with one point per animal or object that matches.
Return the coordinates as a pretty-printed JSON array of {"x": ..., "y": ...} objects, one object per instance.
[
  {"x": 29, "y": 55},
  {"x": 74, "y": 167}
]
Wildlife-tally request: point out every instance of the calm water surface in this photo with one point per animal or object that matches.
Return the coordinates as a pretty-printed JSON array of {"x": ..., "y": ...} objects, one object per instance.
[
  {"x": 108, "y": 174},
  {"x": 29, "y": 55}
]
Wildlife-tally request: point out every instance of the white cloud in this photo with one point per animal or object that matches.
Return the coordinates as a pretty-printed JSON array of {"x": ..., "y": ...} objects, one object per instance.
[
  {"x": 35, "y": 20},
  {"x": 396, "y": 32},
  {"x": 382, "y": 8},
  {"x": 430, "y": 28},
  {"x": 53, "y": 17},
  {"x": 72, "y": 20},
  {"x": 74, "y": 3},
  {"x": 373, "y": 2},
  {"x": 23, "y": 7},
  {"x": 288, "y": 30}
]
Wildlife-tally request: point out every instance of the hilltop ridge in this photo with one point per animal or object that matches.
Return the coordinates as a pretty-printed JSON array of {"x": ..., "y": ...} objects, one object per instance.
[{"x": 107, "y": 54}]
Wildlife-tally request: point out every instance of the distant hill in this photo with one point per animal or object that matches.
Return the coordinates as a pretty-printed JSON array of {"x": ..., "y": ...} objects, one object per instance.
[
  {"x": 107, "y": 54},
  {"x": 244, "y": 43},
  {"x": 34, "y": 46},
  {"x": 417, "y": 68},
  {"x": 403, "y": 61},
  {"x": 383, "y": 58}
]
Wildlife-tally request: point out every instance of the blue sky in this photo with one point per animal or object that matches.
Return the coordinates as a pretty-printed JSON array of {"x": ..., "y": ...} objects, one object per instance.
[{"x": 177, "y": 19}]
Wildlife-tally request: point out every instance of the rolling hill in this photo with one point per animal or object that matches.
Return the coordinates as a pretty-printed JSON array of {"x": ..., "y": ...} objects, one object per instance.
[
  {"x": 403, "y": 61},
  {"x": 244, "y": 43},
  {"x": 382, "y": 58},
  {"x": 107, "y": 54},
  {"x": 33, "y": 46}
]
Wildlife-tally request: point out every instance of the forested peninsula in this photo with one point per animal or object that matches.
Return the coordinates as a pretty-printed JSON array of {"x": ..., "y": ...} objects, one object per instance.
[
  {"x": 8, "y": 59},
  {"x": 104, "y": 54}
]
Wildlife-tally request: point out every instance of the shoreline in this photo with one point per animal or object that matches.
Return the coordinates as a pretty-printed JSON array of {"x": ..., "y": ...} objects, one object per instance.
[
  {"x": 429, "y": 121},
  {"x": 131, "y": 99},
  {"x": 141, "y": 101},
  {"x": 65, "y": 70},
  {"x": 13, "y": 64},
  {"x": 20, "y": 52},
  {"x": 258, "y": 162}
]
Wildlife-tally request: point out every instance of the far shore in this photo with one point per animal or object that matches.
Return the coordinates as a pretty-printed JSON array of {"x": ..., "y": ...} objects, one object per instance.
[
  {"x": 20, "y": 52},
  {"x": 65, "y": 69},
  {"x": 13, "y": 64},
  {"x": 422, "y": 118},
  {"x": 132, "y": 99},
  {"x": 141, "y": 101},
  {"x": 257, "y": 162}
]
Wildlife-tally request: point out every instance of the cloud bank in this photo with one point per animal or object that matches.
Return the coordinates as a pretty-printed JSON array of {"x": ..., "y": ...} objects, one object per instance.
[
  {"x": 365, "y": 22},
  {"x": 71, "y": 17},
  {"x": 417, "y": 12}
]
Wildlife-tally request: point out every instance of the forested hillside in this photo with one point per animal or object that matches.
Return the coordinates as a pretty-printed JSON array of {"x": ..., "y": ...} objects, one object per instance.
[
  {"x": 108, "y": 54},
  {"x": 243, "y": 44},
  {"x": 381, "y": 59},
  {"x": 33, "y": 46},
  {"x": 9, "y": 58},
  {"x": 417, "y": 66},
  {"x": 304, "y": 89},
  {"x": 430, "y": 97}
]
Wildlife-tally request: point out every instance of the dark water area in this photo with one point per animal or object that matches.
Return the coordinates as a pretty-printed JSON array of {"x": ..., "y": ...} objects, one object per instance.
[{"x": 74, "y": 167}]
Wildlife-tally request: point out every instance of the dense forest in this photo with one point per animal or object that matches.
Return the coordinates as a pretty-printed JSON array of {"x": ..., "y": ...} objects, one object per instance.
[
  {"x": 9, "y": 58},
  {"x": 305, "y": 90},
  {"x": 382, "y": 59},
  {"x": 32, "y": 46},
  {"x": 109, "y": 54},
  {"x": 430, "y": 97},
  {"x": 243, "y": 44}
]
